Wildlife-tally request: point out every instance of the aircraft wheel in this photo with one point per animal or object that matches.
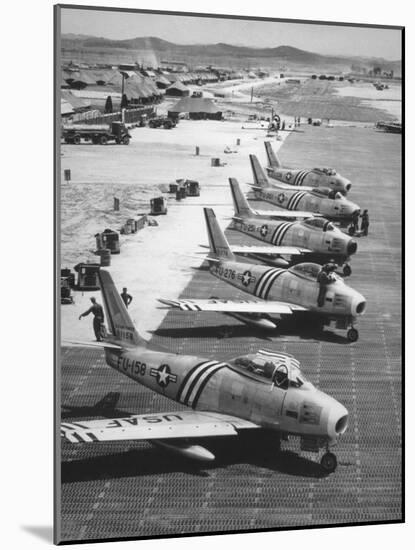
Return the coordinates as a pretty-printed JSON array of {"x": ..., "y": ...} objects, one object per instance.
[
  {"x": 351, "y": 230},
  {"x": 352, "y": 335},
  {"x": 329, "y": 462},
  {"x": 347, "y": 270}
]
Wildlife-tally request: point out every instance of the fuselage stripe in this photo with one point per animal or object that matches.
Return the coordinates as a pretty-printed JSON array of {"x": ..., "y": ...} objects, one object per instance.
[
  {"x": 192, "y": 379},
  {"x": 187, "y": 377},
  {"x": 260, "y": 280},
  {"x": 292, "y": 200},
  {"x": 276, "y": 235},
  {"x": 297, "y": 177},
  {"x": 306, "y": 172},
  {"x": 267, "y": 287},
  {"x": 191, "y": 394},
  {"x": 202, "y": 385},
  {"x": 283, "y": 233},
  {"x": 300, "y": 195},
  {"x": 263, "y": 282}
]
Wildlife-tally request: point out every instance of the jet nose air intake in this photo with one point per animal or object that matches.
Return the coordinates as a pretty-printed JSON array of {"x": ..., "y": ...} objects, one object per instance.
[
  {"x": 351, "y": 247},
  {"x": 358, "y": 305},
  {"x": 338, "y": 420}
]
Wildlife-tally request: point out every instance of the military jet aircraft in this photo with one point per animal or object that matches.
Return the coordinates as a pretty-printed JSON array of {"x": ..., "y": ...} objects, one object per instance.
[
  {"x": 331, "y": 204},
  {"x": 316, "y": 238},
  {"x": 317, "y": 177},
  {"x": 279, "y": 291},
  {"x": 264, "y": 392}
]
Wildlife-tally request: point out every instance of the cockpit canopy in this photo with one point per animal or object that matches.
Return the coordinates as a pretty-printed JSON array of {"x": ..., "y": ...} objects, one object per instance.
[
  {"x": 319, "y": 223},
  {"x": 306, "y": 270},
  {"x": 325, "y": 171},
  {"x": 280, "y": 369},
  {"x": 324, "y": 192}
]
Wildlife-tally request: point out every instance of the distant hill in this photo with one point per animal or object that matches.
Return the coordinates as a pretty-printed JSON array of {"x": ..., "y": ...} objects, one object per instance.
[{"x": 287, "y": 55}]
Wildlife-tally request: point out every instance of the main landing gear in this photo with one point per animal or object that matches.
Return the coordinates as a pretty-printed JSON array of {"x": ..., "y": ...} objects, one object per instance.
[
  {"x": 352, "y": 335},
  {"x": 329, "y": 462}
]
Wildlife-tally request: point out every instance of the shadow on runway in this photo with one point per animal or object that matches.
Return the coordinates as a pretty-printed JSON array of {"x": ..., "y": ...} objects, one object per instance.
[
  {"x": 286, "y": 328},
  {"x": 105, "y": 407},
  {"x": 213, "y": 331},
  {"x": 153, "y": 461}
]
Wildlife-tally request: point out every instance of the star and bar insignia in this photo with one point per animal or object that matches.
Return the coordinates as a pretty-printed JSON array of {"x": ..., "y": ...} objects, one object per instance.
[{"x": 164, "y": 375}]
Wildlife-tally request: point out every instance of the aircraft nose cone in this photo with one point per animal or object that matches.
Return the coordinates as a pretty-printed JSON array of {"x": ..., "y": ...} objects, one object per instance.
[
  {"x": 351, "y": 247},
  {"x": 348, "y": 186},
  {"x": 358, "y": 305},
  {"x": 338, "y": 420}
]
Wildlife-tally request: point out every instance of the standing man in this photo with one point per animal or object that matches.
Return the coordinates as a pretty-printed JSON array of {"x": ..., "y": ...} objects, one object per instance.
[
  {"x": 98, "y": 313},
  {"x": 323, "y": 280},
  {"x": 126, "y": 298},
  {"x": 355, "y": 221},
  {"x": 364, "y": 226}
]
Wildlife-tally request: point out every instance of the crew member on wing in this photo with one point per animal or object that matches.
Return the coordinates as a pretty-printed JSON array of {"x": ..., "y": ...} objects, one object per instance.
[
  {"x": 324, "y": 278},
  {"x": 98, "y": 313}
]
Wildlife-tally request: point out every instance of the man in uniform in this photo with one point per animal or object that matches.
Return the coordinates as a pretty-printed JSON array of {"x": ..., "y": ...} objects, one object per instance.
[
  {"x": 364, "y": 226},
  {"x": 98, "y": 313},
  {"x": 325, "y": 277},
  {"x": 126, "y": 298},
  {"x": 355, "y": 221}
]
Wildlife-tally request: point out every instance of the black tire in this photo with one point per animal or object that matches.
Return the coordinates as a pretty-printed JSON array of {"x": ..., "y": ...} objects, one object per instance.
[
  {"x": 329, "y": 462},
  {"x": 68, "y": 140},
  {"x": 76, "y": 140},
  {"x": 351, "y": 230},
  {"x": 103, "y": 140},
  {"x": 125, "y": 140},
  {"x": 352, "y": 335},
  {"x": 347, "y": 270}
]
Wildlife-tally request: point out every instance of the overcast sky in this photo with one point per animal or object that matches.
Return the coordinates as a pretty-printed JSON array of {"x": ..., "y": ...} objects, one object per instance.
[{"x": 335, "y": 40}]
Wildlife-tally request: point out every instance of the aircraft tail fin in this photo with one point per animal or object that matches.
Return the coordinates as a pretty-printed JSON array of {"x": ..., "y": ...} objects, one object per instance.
[
  {"x": 240, "y": 203},
  {"x": 219, "y": 246},
  {"x": 119, "y": 321},
  {"x": 260, "y": 178},
  {"x": 273, "y": 160}
]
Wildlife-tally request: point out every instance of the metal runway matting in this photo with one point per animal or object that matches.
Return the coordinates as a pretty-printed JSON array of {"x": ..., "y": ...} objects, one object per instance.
[{"x": 134, "y": 489}]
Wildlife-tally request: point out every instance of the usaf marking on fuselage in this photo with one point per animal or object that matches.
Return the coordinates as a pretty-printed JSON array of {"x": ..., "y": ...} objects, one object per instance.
[
  {"x": 331, "y": 204},
  {"x": 317, "y": 177},
  {"x": 319, "y": 238},
  {"x": 259, "y": 391}
]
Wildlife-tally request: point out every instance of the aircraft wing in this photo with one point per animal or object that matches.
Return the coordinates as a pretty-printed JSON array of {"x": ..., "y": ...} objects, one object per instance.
[
  {"x": 141, "y": 427},
  {"x": 86, "y": 344},
  {"x": 287, "y": 214},
  {"x": 288, "y": 187},
  {"x": 269, "y": 250},
  {"x": 234, "y": 306}
]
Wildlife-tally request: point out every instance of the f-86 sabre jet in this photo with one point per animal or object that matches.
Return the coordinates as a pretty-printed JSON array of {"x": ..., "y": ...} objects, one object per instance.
[
  {"x": 263, "y": 393},
  {"x": 330, "y": 204},
  {"x": 317, "y": 177},
  {"x": 317, "y": 239},
  {"x": 279, "y": 292}
]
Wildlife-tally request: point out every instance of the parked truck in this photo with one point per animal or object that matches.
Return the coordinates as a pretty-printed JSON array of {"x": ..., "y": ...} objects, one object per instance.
[{"x": 96, "y": 133}]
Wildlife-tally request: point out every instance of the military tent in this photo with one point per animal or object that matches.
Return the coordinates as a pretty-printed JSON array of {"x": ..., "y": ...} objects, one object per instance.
[
  {"x": 198, "y": 108},
  {"x": 178, "y": 89}
]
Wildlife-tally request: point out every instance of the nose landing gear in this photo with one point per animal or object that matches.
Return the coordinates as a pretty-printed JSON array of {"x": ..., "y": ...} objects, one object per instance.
[
  {"x": 352, "y": 335},
  {"x": 329, "y": 462}
]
